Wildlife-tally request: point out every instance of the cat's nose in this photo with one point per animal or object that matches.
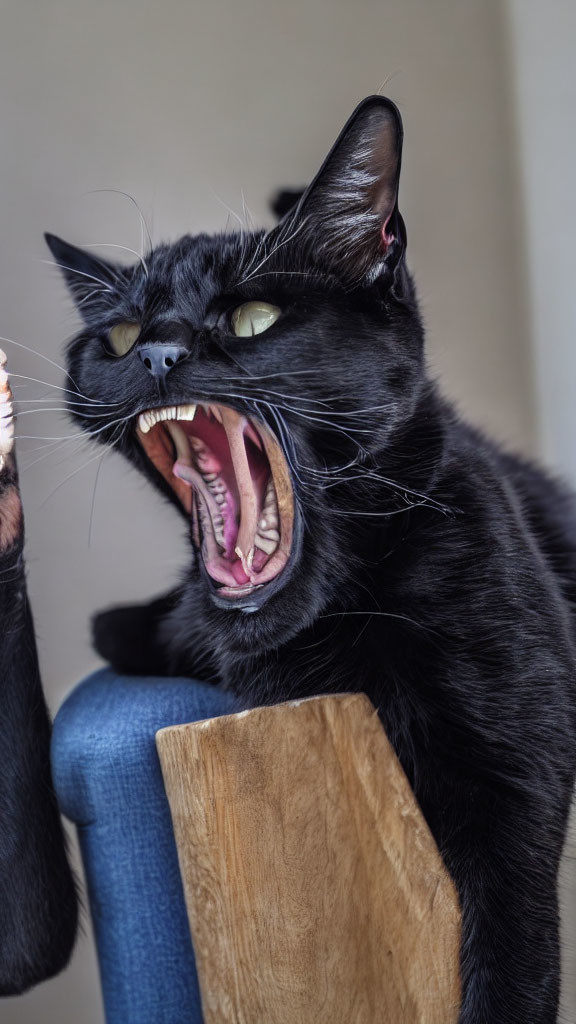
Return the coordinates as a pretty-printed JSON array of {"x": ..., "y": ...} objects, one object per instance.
[{"x": 159, "y": 358}]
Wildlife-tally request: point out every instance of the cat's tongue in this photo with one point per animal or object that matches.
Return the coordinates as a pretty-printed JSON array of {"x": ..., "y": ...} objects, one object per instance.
[{"x": 235, "y": 426}]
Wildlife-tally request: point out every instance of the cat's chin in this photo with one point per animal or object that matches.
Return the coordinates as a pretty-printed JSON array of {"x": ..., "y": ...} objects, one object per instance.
[{"x": 230, "y": 474}]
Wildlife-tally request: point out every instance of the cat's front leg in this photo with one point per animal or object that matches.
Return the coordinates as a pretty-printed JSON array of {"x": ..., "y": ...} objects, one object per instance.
[
  {"x": 144, "y": 640},
  {"x": 128, "y": 637},
  {"x": 38, "y": 908},
  {"x": 502, "y": 853}
]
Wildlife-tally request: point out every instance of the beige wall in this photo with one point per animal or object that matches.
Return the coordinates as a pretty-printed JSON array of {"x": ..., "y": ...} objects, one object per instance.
[
  {"x": 179, "y": 103},
  {"x": 541, "y": 64}
]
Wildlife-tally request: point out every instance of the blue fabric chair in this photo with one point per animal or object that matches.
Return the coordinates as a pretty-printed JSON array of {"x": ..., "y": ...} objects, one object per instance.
[{"x": 108, "y": 780}]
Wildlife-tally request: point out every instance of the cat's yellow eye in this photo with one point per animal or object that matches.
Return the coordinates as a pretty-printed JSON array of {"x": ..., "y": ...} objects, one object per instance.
[
  {"x": 123, "y": 337},
  {"x": 253, "y": 318}
]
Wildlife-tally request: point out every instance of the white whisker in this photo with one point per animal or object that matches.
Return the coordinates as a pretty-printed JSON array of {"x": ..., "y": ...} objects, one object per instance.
[
  {"x": 112, "y": 245},
  {"x": 47, "y": 384},
  {"x": 40, "y": 355},
  {"x": 81, "y": 273},
  {"x": 143, "y": 224}
]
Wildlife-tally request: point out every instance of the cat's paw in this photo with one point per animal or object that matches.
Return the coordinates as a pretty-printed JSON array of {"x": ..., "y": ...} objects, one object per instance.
[
  {"x": 10, "y": 505},
  {"x": 122, "y": 636}
]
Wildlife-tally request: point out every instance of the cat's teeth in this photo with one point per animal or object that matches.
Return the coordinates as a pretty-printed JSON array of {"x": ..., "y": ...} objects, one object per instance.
[
  {"x": 185, "y": 412},
  {"x": 144, "y": 423},
  {"x": 246, "y": 560},
  {"x": 147, "y": 420},
  {"x": 269, "y": 535},
  {"x": 266, "y": 545},
  {"x": 253, "y": 435},
  {"x": 180, "y": 442},
  {"x": 215, "y": 412}
]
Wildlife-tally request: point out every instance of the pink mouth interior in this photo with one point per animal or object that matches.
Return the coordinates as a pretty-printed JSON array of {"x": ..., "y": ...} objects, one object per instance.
[{"x": 230, "y": 474}]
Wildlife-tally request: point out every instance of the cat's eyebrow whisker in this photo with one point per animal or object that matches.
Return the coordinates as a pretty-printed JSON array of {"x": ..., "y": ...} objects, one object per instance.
[
  {"x": 249, "y": 219},
  {"x": 143, "y": 224},
  {"x": 279, "y": 273},
  {"x": 115, "y": 272},
  {"x": 87, "y": 298},
  {"x": 81, "y": 273},
  {"x": 273, "y": 251},
  {"x": 243, "y": 225},
  {"x": 113, "y": 245}
]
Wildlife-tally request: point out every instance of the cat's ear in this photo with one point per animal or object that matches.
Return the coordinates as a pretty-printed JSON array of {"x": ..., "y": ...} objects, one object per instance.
[
  {"x": 87, "y": 276},
  {"x": 285, "y": 200},
  {"x": 348, "y": 216}
]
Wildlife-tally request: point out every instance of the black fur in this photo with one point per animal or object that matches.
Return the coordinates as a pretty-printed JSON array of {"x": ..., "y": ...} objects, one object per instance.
[
  {"x": 38, "y": 907},
  {"x": 436, "y": 573}
]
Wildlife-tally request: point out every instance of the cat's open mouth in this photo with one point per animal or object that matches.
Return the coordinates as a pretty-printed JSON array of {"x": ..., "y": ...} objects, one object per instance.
[{"x": 231, "y": 476}]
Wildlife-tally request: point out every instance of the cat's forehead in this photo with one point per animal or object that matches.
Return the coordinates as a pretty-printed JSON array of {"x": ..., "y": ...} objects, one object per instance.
[{"x": 201, "y": 264}]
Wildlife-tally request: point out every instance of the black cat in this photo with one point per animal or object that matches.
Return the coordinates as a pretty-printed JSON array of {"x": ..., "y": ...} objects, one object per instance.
[{"x": 348, "y": 531}]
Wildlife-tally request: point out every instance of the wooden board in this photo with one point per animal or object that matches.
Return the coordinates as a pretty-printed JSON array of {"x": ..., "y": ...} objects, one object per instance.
[{"x": 315, "y": 891}]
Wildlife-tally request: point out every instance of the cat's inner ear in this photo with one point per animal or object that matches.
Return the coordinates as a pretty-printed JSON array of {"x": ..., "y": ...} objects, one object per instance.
[
  {"x": 87, "y": 275},
  {"x": 348, "y": 217}
]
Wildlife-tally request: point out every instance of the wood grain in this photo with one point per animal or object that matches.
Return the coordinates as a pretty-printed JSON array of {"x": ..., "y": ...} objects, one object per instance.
[{"x": 314, "y": 889}]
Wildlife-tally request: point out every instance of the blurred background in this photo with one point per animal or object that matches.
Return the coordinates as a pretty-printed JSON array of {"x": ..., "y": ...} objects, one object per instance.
[{"x": 195, "y": 108}]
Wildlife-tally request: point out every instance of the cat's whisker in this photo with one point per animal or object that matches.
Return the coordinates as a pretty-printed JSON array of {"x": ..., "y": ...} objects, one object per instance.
[
  {"x": 40, "y": 355},
  {"x": 82, "y": 433},
  {"x": 270, "y": 376},
  {"x": 90, "y": 297},
  {"x": 281, "y": 273},
  {"x": 55, "y": 448},
  {"x": 58, "y": 387},
  {"x": 82, "y": 405},
  {"x": 279, "y": 394},
  {"x": 113, "y": 245},
  {"x": 327, "y": 402},
  {"x": 143, "y": 223},
  {"x": 81, "y": 273},
  {"x": 242, "y": 224},
  {"x": 248, "y": 217},
  {"x": 309, "y": 415},
  {"x": 385, "y": 615},
  {"x": 93, "y": 502},
  {"x": 273, "y": 251},
  {"x": 74, "y": 473}
]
